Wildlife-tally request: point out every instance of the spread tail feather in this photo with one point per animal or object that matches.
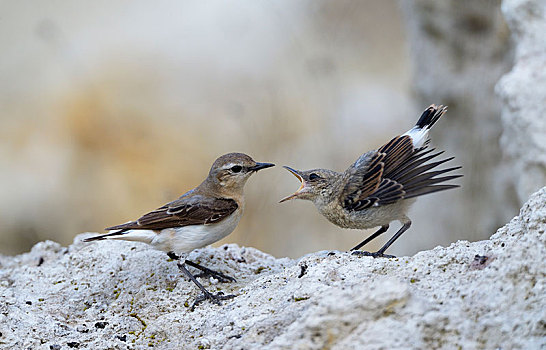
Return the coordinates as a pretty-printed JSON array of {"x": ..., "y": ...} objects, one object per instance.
[
  {"x": 419, "y": 133},
  {"x": 430, "y": 116}
]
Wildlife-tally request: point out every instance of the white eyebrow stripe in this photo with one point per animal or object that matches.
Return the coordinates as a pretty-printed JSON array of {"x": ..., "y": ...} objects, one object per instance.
[{"x": 229, "y": 166}]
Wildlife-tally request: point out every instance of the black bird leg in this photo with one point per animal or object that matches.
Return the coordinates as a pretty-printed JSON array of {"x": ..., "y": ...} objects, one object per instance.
[
  {"x": 397, "y": 235},
  {"x": 208, "y": 272},
  {"x": 381, "y": 252},
  {"x": 381, "y": 230},
  {"x": 215, "y": 298}
]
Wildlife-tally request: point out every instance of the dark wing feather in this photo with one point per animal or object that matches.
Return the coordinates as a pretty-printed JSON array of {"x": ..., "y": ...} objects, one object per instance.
[
  {"x": 397, "y": 151},
  {"x": 370, "y": 188},
  {"x": 363, "y": 177},
  {"x": 405, "y": 175},
  {"x": 195, "y": 210}
]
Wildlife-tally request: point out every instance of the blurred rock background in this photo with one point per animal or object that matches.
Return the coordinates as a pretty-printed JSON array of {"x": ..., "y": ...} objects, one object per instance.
[
  {"x": 111, "y": 109},
  {"x": 460, "y": 49}
]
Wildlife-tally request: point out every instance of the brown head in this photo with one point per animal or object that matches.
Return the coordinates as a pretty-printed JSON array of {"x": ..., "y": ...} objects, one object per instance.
[
  {"x": 229, "y": 172},
  {"x": 317, "y": 185}
]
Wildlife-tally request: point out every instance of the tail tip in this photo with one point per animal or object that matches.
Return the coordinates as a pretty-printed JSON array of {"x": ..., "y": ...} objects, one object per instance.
[{"x": 430, "y": 116}]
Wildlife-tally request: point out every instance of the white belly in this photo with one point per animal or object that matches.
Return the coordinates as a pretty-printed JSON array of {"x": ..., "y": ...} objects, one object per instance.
[{"x": 187, "y": 238}]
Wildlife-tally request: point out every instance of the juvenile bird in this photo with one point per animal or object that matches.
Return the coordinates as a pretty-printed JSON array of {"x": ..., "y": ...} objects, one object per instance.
[
  {"x": 381, "y": 185},
  {"x": 200, "y": 217}
]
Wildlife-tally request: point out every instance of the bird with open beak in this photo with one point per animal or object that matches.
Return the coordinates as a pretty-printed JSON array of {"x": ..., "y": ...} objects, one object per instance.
[
  {"x": 381, "y": 185},
  {"x": 200, "y": 217}
]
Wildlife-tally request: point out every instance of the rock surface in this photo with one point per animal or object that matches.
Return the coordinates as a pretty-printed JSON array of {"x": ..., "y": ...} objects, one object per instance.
[
  {"x": 119, "y": 295},
  {"x": 523, "y": 91}
]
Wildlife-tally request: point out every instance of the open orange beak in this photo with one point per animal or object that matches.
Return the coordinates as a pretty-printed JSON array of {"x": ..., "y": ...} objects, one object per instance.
[{"x": 296, "y": 174}]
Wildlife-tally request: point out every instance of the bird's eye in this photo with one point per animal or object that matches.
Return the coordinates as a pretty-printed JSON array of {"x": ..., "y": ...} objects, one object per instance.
[
  {"x": 236, "y": 168},
  {"x": 314, "y": 176}
]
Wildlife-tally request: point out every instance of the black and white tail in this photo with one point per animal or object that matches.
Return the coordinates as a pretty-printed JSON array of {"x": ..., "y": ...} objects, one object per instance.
[
  {"x": 419, "y": 133},
  {"x": 125, "y": 232},
  {"x": 414, "y": 174}
]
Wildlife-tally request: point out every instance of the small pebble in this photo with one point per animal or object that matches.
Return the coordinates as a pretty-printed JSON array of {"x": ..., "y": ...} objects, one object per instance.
[
  {"x": 82, "y": 328},
  {"x": 101, "y": 324}
]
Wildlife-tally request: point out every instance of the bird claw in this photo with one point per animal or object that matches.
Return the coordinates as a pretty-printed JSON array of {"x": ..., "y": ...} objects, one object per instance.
[
  {"x": 374, "y": 254},
  {"x": 214, "y": 298},
  {"x": 217, "y": 275}
]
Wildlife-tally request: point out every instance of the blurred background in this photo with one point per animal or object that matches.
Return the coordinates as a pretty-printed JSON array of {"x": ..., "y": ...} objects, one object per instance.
[{"x": 110, "y": 109}]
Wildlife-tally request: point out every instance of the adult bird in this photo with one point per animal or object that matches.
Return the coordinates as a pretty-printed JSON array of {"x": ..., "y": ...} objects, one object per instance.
[{"x": 200, "y": 217}]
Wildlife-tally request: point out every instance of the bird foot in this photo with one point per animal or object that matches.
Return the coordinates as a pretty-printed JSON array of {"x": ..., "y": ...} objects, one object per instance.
[
  {"x": 206, "y": 272},
  {"x": 214, "y": 298},
  {"x": 374, "y": 254}
]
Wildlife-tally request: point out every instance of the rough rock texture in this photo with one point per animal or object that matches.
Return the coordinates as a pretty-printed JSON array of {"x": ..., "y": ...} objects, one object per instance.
[
  {"x": 523, "y": 92},
  {"x": 115, "y": 295},
  {"x": 460, "y": 49}
]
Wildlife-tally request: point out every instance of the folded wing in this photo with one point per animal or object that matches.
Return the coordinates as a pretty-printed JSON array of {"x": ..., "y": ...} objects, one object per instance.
[
  {"x": 195, "y": 210},
  {"x": 198, "y": 210}
]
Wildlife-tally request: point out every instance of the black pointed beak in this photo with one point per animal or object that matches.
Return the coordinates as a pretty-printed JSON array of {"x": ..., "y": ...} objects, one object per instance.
[{"x": 260, "y": 166}]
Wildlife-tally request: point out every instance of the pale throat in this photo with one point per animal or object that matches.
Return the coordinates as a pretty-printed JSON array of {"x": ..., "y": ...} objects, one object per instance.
[{"x": 229, "y": 191}]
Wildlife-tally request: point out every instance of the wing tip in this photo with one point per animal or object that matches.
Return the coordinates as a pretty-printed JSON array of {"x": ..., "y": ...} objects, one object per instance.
[
  {"x": 95, "y": 238},
  {"x": 105, "y": 236}
]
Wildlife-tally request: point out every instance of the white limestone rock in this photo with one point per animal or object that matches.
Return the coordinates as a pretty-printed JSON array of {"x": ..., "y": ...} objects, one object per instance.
[
  {"x": 110, "y": 294},
  {"x": 523, "y": 93}
]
